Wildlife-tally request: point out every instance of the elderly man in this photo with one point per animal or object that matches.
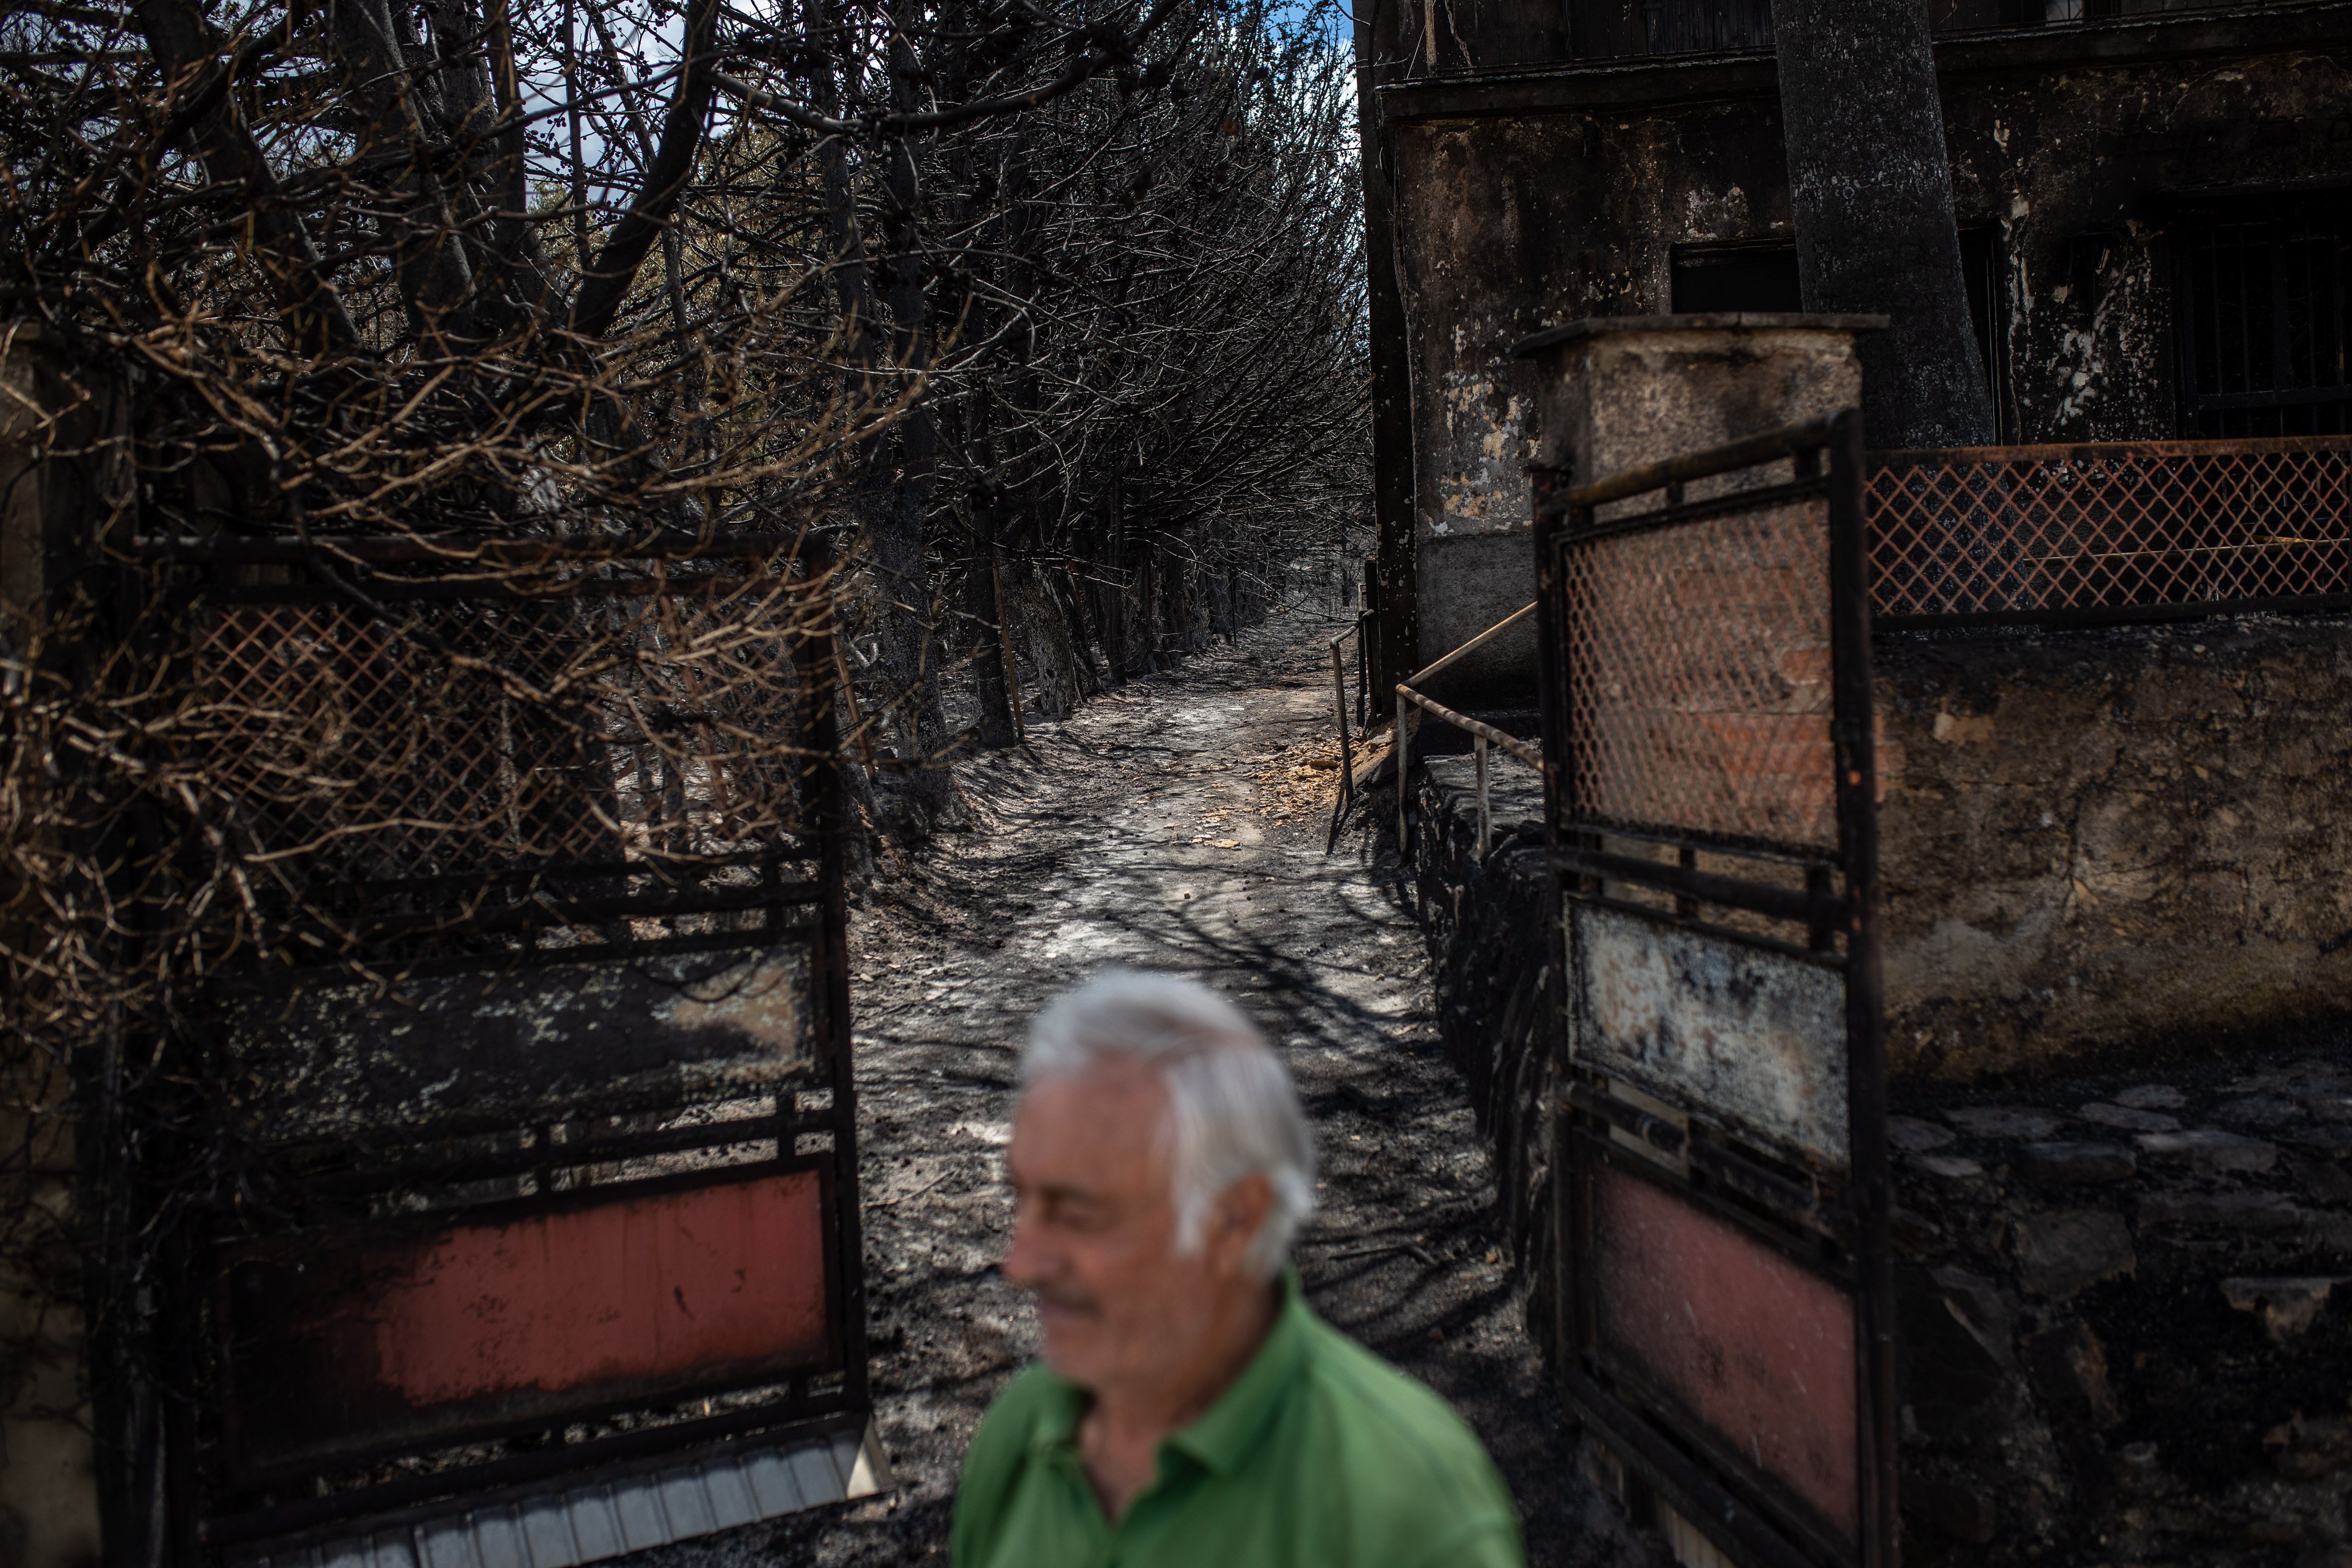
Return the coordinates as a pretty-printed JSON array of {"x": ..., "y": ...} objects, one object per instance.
[{"x": 1192, "y": 1411}]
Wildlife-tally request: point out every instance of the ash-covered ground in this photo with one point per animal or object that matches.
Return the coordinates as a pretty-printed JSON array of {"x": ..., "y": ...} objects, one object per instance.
[{"x": 1166, "y": 827}]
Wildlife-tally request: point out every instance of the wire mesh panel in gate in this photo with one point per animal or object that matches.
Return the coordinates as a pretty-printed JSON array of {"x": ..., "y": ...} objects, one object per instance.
[
  {"x": 521, "y": 1140},
  {"x": 1711, "y": 804}
]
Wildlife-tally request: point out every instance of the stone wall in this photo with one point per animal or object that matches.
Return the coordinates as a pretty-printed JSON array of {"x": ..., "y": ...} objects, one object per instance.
[
  {"x": 2125, "y": 1313},
  {"x": 1486, "y": 920},
  {"x": 2107, "y": 841},
  {"x": 2124, "y": 1302}
]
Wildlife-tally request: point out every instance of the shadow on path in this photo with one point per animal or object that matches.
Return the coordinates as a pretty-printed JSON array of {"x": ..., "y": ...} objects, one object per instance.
[{"x": 1133, "y": 834}]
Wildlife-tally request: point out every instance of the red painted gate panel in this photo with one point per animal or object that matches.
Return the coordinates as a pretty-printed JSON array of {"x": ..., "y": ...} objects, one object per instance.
[
  {"x": 345, "y": 1343},
  {"x": 1758, "y": 1349}
]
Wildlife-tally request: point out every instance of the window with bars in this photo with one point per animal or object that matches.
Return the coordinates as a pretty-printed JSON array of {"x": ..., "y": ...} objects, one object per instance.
[
  {"x": 2260, "y": 294},
  {"x": 1692, "y": 27}
]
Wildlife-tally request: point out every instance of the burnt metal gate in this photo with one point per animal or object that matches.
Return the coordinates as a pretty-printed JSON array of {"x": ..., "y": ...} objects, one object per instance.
[
  {"x": 1712, "y": 802},
  {"x": 514, "y": 1216}
]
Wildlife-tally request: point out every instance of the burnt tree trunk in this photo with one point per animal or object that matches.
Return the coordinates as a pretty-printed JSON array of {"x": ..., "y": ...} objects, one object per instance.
[
  {"x": 1397, "y": 635},
  {"x": 992, "y": 641},
  {"x": 1116, "y": 630},
  {"x": 1146, "y": 602},
  {"x": 188, "y": 52},
  {"x": 891, "y": 499},
  {"x": 1871, "y": 190},
  {"x": 1071, "y": 600}
]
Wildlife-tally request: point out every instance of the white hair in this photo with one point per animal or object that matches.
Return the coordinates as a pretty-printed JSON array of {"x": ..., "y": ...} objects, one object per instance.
[{"x": 1232, "y": 1112}]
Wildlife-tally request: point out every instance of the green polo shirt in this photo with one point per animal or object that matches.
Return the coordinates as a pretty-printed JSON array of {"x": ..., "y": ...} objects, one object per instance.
[{"x": 1320, "y": 1456}]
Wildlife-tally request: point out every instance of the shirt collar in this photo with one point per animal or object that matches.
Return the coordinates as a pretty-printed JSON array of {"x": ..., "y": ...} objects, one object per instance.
[
  {"x": 1221, "y": 1439},
  {"x": 1057, "y": 1422}
]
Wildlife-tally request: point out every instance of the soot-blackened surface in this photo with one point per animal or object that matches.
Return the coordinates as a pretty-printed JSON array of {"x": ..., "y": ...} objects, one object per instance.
[{"x": 1132, "y": 833}]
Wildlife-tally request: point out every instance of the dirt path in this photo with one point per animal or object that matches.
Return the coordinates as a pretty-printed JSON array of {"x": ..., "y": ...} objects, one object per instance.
[{"x": 1138, "y": 832}]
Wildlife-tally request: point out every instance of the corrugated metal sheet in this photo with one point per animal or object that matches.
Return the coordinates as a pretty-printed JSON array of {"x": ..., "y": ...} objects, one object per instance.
[{"x": 587, "y": 1519}]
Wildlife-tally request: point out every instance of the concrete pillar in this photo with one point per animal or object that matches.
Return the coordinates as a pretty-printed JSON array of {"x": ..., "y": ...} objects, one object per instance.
[
  {"x": 1613, "y": 392},
  {"x": 1617, "y": 392}
]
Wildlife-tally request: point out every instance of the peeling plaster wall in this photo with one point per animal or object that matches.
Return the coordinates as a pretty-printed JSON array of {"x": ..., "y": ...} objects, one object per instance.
[{"x": 1505, "y": 227}]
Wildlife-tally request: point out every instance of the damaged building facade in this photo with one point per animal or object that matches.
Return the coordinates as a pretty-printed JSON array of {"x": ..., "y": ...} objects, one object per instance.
[
  {"x": 2153, "y": 208},
  {"x": 2113, "y": 794}
]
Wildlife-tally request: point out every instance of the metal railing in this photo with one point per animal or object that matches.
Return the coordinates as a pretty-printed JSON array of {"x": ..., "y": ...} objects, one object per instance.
[
  {"x": 2084, "y": 535},
  {"x": 1366, "y": 629},
  {"x": 1339, "y": 697},
  {"x": 1483, "y": 735},
  {"x": 1361, "y": 631}
]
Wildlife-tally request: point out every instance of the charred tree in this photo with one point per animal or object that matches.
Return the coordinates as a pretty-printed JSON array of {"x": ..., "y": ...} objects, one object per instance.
[{"x": 1871, "y": 188}]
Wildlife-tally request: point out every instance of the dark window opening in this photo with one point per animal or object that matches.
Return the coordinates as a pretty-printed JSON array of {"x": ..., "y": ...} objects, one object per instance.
[
  {"x": 1692, "y": 27},
  {"x": 1710, "y": 279},
  {"x": 2259, "y": 296},
  {"x": 1981, "y": 271},
  {"x": 1744, "y": 277},
  {"x": 2050, "y": 12}
]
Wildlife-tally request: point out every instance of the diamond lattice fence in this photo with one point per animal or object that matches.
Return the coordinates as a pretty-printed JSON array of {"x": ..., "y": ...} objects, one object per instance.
[
  {"x": 502, "y": 731},
  {"x": 2005, "y": 530}
]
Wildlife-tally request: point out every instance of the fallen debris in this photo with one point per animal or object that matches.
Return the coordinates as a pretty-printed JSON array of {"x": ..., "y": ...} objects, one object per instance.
[{"x": 1301, "y": 781}]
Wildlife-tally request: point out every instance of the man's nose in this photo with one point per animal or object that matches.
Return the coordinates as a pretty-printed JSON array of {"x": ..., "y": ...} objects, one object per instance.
[{"x": 1028, "y": 1260}]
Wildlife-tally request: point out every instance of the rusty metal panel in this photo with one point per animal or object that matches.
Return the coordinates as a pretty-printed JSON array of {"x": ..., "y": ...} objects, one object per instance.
[
  {"x": 1748, "y": 1036},
  {"x": 337, "y": 1059},
  {"x": 1759, "y": 1350},
  {"x": 411, "y": 1332}
]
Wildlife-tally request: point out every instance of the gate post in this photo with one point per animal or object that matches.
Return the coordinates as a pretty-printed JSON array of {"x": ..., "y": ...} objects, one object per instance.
[
  {"x": 1853, "y": 726},
  {"x": 825, "y": 801},
  {"x": 1617, "y": 392}
]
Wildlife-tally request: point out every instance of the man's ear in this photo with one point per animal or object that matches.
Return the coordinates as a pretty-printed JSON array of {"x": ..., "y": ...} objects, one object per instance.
[{"x": 1240, "y": 1214}]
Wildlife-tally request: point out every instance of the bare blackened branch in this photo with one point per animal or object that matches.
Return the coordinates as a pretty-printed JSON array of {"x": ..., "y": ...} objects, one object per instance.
[{"x": 615, "y": 267}]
